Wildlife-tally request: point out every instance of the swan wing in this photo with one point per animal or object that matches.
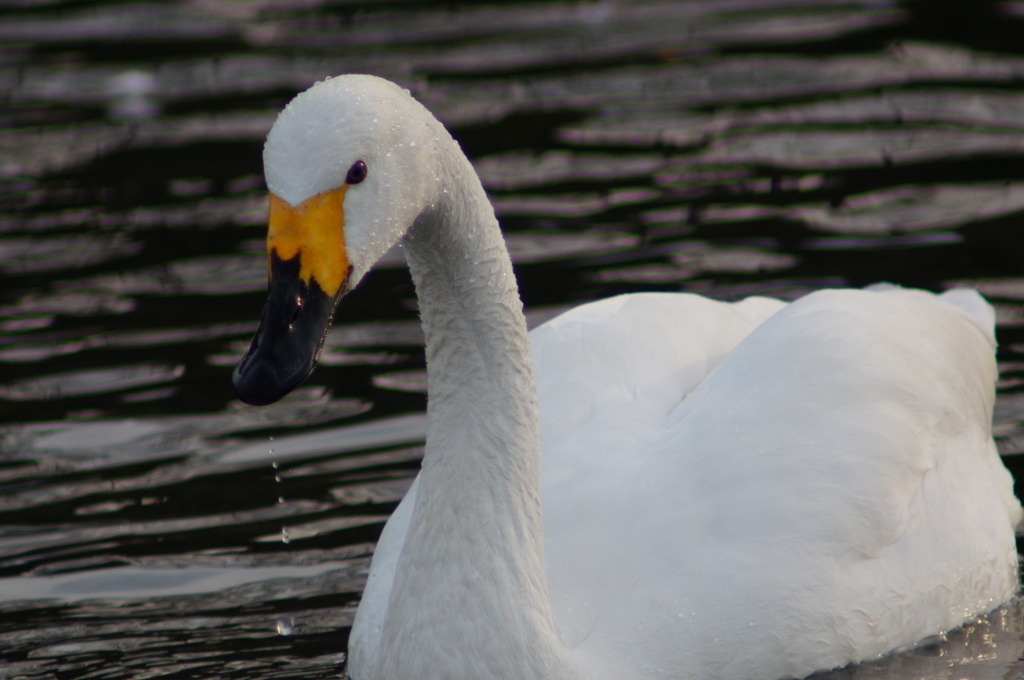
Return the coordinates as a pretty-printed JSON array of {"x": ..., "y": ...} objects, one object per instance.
[
  {"x": 628, "y": 360},
  {"x": 825, "y": 476}
]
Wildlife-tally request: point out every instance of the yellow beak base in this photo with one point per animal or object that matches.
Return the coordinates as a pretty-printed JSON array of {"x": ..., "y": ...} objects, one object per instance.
[{"x": 313, "y": 231}]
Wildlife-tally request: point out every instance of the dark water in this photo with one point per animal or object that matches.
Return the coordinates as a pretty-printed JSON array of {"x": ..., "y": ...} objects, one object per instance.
[{"x": 152, "y": 526}]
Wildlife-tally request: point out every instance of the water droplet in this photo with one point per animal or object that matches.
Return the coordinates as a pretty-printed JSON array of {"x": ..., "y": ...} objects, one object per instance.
[
  {"x": 285, "y": 625},
  {"x": 285, "y": 538}
]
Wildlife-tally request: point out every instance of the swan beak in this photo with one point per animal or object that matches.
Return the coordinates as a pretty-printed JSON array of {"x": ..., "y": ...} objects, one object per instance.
[{"x": 309, "y": 274}]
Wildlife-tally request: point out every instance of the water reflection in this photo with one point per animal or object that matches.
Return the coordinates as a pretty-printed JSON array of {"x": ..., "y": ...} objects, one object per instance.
[
  {"x": 87, "y": 382},
  {"x": 151, "y": 524},
  {"x": 985, "y": 650}
]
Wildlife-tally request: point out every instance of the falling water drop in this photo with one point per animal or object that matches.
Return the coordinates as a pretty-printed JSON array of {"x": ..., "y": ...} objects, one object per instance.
[
  {"x": 285, "y": 625},
  {"x": 277, "y": 479}
]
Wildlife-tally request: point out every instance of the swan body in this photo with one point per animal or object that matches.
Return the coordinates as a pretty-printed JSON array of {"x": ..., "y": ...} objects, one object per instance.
[{"x": 686, "y": 489}]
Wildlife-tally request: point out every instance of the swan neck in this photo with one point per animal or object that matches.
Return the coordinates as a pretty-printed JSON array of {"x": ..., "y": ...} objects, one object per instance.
[
  {"x": 477, "y": 347},
  {"x": 481, "y": 405},
  {"x": 473, "y": 559}
]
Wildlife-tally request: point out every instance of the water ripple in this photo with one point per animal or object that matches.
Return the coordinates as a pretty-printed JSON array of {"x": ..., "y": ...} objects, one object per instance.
[{"x": 97, "y": 381}]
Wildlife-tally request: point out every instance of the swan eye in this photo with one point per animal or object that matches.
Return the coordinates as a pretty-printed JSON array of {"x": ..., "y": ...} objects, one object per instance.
[{"x": 356, "y": 174}]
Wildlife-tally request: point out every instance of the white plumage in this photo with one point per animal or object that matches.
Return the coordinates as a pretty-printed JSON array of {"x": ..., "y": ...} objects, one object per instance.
[{"x": 710, "y": 490}]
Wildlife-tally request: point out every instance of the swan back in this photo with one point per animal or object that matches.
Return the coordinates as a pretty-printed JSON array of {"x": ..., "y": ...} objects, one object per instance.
[{"x": 830, "y": 454}]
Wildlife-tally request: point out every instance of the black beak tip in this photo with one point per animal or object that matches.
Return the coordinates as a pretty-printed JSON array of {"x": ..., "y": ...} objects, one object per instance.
[
  {"x": 260, "y": 382},
  {"x": 262, "y": 377},
  {"x": 253, "y": 387}
]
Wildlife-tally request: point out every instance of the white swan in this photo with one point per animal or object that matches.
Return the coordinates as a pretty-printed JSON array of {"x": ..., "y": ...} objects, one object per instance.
[{"x": 749, "y": 490}]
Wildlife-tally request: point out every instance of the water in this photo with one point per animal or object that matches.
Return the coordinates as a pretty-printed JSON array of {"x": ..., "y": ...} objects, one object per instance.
[{"x": 151, "y": 525}]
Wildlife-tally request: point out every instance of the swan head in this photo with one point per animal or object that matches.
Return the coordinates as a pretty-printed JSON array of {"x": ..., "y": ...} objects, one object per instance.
[{"x": 349, "y": 167}]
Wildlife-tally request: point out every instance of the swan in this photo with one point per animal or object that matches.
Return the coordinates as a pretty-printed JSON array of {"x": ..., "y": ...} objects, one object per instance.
[{"x": 650, "y": 486}]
